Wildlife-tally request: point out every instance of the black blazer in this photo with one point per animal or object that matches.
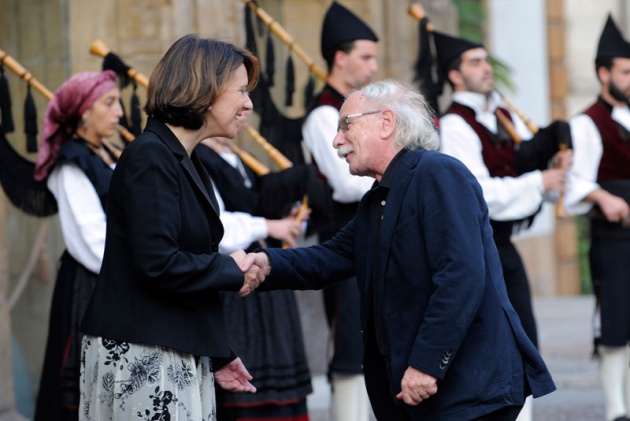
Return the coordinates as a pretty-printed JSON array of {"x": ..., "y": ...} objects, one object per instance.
[{"x": 162, "y": 273}]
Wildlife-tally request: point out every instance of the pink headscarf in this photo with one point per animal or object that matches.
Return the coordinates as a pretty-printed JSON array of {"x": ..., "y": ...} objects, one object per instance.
[{"x": 64, "y": 111}]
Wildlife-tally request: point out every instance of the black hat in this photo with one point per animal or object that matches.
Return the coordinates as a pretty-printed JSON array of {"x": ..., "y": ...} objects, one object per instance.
[
  {"x": 611, "y": 42},
  {"x": 341, "y": 25},
  {"x": 449, "y": 48}
]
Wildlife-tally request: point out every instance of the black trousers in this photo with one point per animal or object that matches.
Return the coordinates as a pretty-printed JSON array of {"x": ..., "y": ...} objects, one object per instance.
[
  {"x": 518, "y": 290},
  {"x": 377, "y": 384},
  {"x": 507, "y": 413}
]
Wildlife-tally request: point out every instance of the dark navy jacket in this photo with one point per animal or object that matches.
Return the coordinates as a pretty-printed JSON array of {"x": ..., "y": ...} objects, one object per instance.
[{"x": 443, "y": 302}]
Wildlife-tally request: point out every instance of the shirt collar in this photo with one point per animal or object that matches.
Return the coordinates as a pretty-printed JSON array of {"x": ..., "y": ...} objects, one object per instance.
[
  {"x": 388, "y": 178},
  {"x": 478, "y": 101},
  {"x": 620, "y": 114}
]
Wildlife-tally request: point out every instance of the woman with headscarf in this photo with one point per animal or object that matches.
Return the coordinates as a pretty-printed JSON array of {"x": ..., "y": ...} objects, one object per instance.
[
  {"x": 155, "y": 339},
  {"x": 82, "y": 113}
]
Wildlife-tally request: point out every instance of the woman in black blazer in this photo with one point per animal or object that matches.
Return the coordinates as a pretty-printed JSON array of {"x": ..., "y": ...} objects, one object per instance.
[{"x": 155, "y": 340}]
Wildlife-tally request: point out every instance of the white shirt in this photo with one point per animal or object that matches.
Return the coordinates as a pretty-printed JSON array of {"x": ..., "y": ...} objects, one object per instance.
[
  {"x": 587, "y": 154},
  {"x": 240, "y": 228},
  {"x": 318, "y": 131},
  {"x": 508, "y": 198},
  {"x": 80, "y": 213}
]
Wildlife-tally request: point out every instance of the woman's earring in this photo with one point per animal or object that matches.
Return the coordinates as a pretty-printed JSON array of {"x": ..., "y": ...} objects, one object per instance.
[{"x": 209, "y": 108}]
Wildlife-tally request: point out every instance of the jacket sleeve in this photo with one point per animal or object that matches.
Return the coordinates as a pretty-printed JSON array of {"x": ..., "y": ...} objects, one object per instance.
[
  {"x": 153, "y": 206},
  {"x": 313, "y": 267},
  {"x": 452, "y": 218}
]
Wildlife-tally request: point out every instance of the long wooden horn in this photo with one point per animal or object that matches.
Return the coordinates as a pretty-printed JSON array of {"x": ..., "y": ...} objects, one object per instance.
[
  {"x": 258, "y": 167},
  {"x": 25, "y": 75},
  {"x": 284, "y": 36},
  {"x": 528, "y": 122},
  {"x": 99, "y": 48},
  {"x": 416, "y": 10}
]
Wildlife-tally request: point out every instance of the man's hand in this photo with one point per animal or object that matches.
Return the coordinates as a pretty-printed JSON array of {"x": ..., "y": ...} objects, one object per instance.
[
  {"x": 562, "y": 160},
  {"x": 554, "y": 179},
  {"x": 253, "y": 276},
  {"x": 234, "y": 377},
  {"x": 614, "y": 208},
  {"x": 416, "y": 386},
  {"x": 260, "y": 260}
]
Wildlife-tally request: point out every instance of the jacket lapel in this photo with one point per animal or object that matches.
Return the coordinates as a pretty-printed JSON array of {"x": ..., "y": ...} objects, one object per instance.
[
  {"x": 187, "y": 164},
  {"x": 395, "y": 197}
]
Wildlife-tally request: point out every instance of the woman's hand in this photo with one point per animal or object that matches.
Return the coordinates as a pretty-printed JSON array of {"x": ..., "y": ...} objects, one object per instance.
[
  {"x": 234, "y": 377},
  {"x": 253, "y": 276}
]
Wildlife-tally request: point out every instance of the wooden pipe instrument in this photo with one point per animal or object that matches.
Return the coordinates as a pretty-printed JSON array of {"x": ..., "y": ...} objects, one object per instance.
[
  {"x": 99, "y": 48},
  {"x": 417, "y": 11},
  {"x": 284, "y": 36},
  {"x": 26, "y": 76}
]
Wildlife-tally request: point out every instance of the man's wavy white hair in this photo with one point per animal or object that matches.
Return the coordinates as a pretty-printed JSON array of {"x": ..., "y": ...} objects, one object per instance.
[{"x": 415, "y": 122}]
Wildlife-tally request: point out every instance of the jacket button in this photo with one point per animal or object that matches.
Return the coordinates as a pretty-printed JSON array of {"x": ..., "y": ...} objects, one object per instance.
[{"x": 442, "y": 366}]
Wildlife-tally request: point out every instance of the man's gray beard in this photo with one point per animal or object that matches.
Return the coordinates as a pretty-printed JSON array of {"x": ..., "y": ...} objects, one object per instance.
[{"x": 343, "y": 151}]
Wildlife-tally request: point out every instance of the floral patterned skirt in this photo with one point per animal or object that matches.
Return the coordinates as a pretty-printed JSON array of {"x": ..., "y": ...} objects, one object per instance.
[{"x": 125, "y": 381}]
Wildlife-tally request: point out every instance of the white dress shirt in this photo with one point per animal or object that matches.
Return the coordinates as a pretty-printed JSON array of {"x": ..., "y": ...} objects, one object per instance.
[
  {"x": 587, "y": 154},
  {"x": 240, "y": 228},
  {"x": 508, "y": 198},
  {"x": 80, "y": 213}
]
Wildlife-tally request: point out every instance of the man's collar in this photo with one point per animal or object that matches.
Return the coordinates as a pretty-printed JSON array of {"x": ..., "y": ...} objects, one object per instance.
[
  {"x": 390, "y": 173},
  {"x": 478, "y": 102}
]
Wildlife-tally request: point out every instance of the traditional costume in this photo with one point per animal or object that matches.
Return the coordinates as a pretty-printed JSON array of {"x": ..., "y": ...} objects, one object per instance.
[
  {"x": 79, "y": 180},
  {"x": 341, "y": 301},
  {"x": 263, "y": 328},
  {"x": 510, "y": 174},
  {"x": 602, "y": 161}
]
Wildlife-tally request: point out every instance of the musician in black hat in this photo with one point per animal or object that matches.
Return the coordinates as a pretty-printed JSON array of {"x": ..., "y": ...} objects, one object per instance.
[
  {"x": 513, "y": 173},
  {"x": 600, "y": 183},
  {"x": 349, "y": 47}
]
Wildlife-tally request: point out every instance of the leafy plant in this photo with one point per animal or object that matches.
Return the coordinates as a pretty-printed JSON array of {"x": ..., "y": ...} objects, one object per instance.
[{"x": 472, "y": 21}]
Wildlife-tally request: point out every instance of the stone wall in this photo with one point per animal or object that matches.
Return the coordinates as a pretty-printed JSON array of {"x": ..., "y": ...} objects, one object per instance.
[{"x": 52, "y": 41}]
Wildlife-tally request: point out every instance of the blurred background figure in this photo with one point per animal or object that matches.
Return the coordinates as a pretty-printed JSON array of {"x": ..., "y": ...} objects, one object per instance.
[
  {"x": 264, "y": 328},
  {"x": 83, "y": 111},
  {"x": 349, "y": 47}
]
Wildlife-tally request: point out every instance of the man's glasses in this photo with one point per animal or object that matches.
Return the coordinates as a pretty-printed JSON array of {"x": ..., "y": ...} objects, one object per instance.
[{"x": 344, "y": 121}]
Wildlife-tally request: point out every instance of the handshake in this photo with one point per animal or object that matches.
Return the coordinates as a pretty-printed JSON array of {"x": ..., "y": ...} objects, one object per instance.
[{"x": 255, "y": 267}]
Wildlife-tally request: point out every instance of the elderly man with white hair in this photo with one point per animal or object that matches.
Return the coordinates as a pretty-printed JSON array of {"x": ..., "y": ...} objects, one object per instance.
[{"x": 442, "y": 341}]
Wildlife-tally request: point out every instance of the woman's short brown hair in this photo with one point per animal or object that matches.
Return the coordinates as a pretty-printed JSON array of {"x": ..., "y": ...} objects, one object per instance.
[{"x": 190, "y": 76}]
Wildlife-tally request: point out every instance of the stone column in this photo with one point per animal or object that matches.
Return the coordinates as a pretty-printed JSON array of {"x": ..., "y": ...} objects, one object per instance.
[
  {"x": 566, "y": 239},
  {"x": 7, "y": 396}
]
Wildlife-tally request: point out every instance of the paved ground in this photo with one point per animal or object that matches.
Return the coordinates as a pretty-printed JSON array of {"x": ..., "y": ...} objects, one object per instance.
[{"x": 565, "y": 342}]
